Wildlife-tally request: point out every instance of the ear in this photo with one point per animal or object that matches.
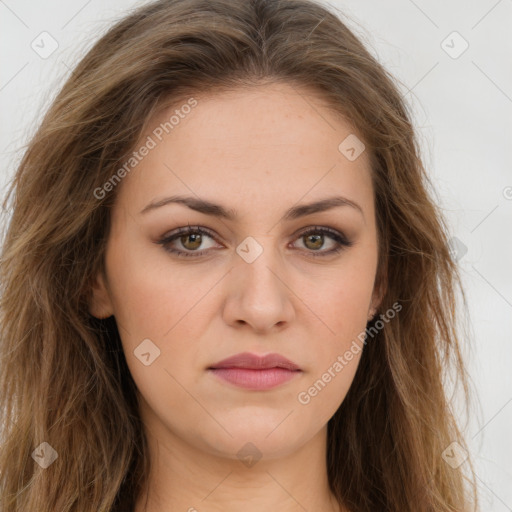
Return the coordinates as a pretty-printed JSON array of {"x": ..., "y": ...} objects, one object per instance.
[
  {"x": 379, "y": 291},
  {"x": 100, "y": 304}
]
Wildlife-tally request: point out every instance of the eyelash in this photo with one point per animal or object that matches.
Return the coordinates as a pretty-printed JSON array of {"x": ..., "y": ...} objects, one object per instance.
[{"x": 335, "y": 235}]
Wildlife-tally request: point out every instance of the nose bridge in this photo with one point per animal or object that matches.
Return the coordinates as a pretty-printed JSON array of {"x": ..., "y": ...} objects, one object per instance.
[
  {"x": 259, "y": 296},
  {"x": 261, "y": 261}
]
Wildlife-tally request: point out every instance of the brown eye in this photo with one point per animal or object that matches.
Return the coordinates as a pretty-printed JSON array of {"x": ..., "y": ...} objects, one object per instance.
[
  {"x": 191, "y": 238},
  {"x": 187, "y": 241},
  {"x": 191, "y": 241},
  {"x": 313, "y": 242}
]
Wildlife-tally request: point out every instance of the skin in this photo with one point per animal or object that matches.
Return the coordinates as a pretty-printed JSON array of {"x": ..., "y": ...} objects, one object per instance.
[{"x": 258, "y": 151}]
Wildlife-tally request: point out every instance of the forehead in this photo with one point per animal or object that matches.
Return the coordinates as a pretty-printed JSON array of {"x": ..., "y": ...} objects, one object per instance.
[{"x": 274, "y": 143}]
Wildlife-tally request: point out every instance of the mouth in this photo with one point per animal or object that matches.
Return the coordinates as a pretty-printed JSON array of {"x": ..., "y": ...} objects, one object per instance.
[{"x": 259, "y": 373}]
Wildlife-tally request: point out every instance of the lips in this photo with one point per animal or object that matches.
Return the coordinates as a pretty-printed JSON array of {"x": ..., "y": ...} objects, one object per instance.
[
  {"x": 253, "y": 372},
  {"x": 254, "y": 362}
]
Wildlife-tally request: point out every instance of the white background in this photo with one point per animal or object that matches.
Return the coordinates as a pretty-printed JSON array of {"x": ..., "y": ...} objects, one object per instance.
[{"x": 463, "y": 112}]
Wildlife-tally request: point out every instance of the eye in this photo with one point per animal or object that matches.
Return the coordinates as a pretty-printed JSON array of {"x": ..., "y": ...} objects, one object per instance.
[
  {"x": 314, "y": 239},
  {"x": 191, "y": 238}
]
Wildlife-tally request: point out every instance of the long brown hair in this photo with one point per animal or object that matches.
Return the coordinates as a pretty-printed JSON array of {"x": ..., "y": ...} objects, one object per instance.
[{"x": 63, "y": 376}]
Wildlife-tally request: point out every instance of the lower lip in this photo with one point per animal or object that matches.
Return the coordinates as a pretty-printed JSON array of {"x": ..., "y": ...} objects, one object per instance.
[{"x": 255, "y": 379}]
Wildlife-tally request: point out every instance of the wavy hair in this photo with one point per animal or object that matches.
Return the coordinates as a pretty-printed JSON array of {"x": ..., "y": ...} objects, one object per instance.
[{"x": 63, "y": 375}]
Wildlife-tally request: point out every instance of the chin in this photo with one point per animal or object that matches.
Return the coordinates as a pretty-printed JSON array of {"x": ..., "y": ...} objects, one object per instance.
[{"x": 256, "y": 440}]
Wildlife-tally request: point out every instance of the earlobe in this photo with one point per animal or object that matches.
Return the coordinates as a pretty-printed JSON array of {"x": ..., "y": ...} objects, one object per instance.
[{"x": 100, "y": 304}]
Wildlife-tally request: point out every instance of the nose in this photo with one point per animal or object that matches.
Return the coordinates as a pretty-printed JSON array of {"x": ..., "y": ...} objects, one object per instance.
[{"x": 258, "y": 293}]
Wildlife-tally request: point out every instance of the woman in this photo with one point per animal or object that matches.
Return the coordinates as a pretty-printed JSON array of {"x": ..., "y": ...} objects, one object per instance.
[{"x": 225, "y": 283}]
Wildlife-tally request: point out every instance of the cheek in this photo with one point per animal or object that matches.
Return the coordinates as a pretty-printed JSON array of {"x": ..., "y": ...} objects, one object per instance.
[
  {"x": 154, "y": 301},
  {"x": 147, "y": 296},
  {"x": 342, "y": 306},
  {"x": 343, "y": 310},
  {"x": 323, "y": 392},
  {"x": 341, "y": 299}
]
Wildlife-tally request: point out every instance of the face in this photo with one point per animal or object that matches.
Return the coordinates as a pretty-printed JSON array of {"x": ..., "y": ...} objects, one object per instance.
[{"x": 270, "y": 277}]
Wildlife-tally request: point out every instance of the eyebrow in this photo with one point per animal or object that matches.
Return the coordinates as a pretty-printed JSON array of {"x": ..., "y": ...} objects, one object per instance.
[{"x": 216, "y": 210}]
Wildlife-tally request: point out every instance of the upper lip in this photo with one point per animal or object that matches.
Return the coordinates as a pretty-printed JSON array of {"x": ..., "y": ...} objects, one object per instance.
[{"x": 256, "y": 362}]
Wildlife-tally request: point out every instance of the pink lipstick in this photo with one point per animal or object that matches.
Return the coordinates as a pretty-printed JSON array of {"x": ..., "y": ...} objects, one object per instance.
[{"x": 259, "y": 373}]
